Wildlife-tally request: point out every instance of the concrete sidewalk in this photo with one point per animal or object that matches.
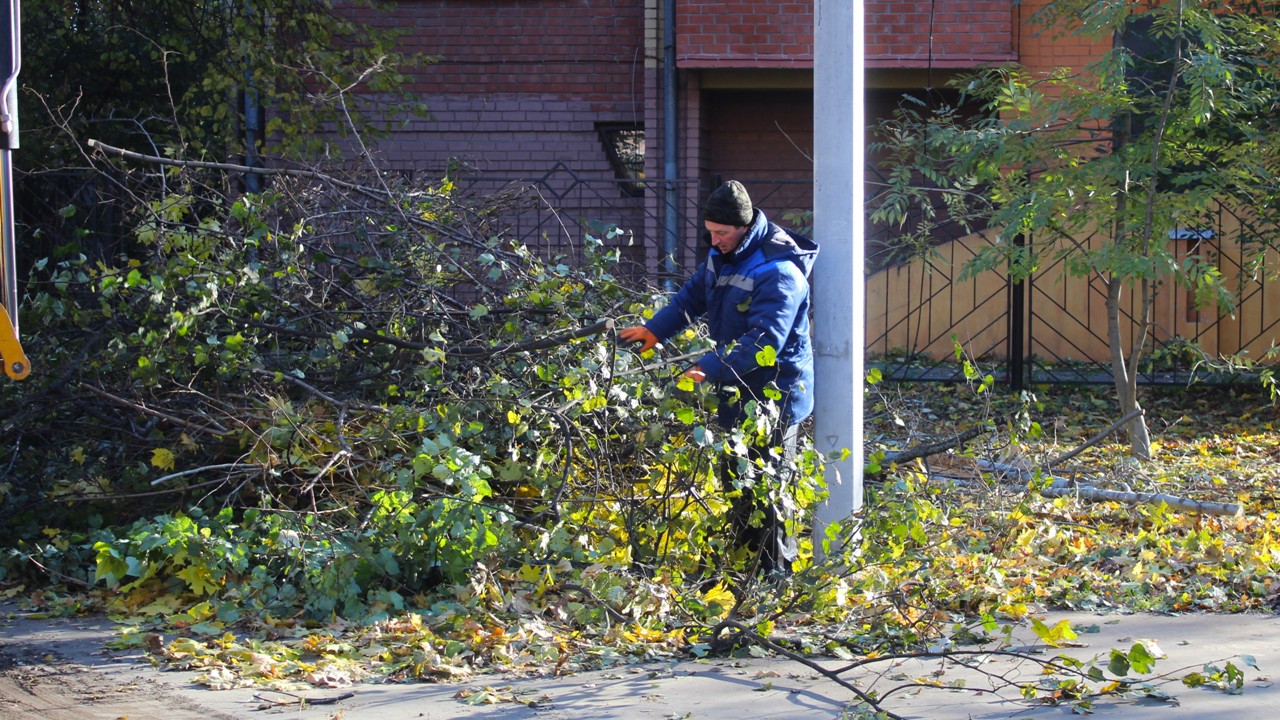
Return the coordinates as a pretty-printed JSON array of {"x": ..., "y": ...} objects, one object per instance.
[{"x": 716, "y": 688}]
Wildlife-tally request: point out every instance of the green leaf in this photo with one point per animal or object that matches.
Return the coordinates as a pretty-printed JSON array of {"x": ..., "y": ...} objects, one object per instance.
[
  {"x": 1119, "y": 664},
  {"x": 767, "y": 356},
  {"x": 110, "y": 566},
  {"x": 1141, "y": 659}
]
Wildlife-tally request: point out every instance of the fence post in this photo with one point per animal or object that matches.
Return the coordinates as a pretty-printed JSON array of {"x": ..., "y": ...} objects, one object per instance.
[{"x": 1017, "y": 326}]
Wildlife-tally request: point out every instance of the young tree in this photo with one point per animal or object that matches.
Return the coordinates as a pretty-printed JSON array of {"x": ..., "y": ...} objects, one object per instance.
[{"x": 1097, "y": 167}]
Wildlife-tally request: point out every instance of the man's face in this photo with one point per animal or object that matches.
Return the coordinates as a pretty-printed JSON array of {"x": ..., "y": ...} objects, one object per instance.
[{"x": 725, "y": 238}]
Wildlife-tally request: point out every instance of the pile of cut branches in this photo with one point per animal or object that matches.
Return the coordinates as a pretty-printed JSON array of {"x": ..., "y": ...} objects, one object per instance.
[{"x": 341, "y": 396}]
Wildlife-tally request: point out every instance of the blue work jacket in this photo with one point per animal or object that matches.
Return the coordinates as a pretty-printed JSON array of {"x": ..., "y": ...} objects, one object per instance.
[{"x": 756, "y": 297}]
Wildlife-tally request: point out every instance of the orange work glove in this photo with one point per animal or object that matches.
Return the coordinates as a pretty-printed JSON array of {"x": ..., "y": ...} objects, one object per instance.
[
  {"x": 639, "y": 334},
  {"x": 695, "y": 374}
]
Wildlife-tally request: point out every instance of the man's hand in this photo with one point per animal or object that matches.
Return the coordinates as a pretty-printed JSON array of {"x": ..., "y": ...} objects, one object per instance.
[
  {"x": 639, "y": 334},
  {"x": 695, "y": 374}
]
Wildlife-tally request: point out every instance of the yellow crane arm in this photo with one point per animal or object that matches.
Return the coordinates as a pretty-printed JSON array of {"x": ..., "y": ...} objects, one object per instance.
[{"x": 15, "y": 361}]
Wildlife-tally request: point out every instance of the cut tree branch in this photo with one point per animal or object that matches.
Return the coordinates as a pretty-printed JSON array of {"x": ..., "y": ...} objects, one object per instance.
[
  {"x": 595, "y": 328},
  {"x": 1066, "y": 487},
  {"x": 902, "y": 456},
  {"x": 230, "y": 167},
  {"x": 209, "y": 427}
]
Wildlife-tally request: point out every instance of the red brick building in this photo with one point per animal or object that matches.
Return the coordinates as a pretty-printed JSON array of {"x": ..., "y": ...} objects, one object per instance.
[{"x": 567, "y": 91}]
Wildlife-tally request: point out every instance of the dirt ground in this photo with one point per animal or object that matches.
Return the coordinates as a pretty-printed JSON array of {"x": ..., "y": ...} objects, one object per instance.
[
  {"x": 59, "y": 690},
  {"x": 57, "y": 669}
]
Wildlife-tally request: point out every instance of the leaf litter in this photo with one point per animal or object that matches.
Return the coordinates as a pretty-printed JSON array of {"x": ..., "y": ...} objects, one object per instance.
[{"x": 960, "y": 560}]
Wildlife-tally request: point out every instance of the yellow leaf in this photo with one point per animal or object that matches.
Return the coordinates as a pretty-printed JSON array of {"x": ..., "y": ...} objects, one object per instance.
[
  {"x": 718, "y": 595},
  {"x": 199, "y": 579},
  {"x": 163, "y": 605},
  {"x": 77, "y": 455},
  {"x": 162, "y": 458},
  {"x": 1053, "y": 636},
  {"x": 530, "y": 574}
]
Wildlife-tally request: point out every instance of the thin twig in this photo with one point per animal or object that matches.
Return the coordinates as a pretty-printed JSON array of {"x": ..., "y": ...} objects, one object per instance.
[
  {"x": 115, "y": 497},
  {"x": 301, "y": 700},
  {"x": 55, "y": 573},
  {"x": 608, "y": 609},
  {"x": 1095, "y": 439},
  {"x": 192, "y": 471},
  {"x": 211, "y": 427},
  {"x": 319, "y": 393},
  {"x": 749, "y": 635},
  {"x": 231, "y": 167},
  {"x": 595, "y": 328},
  {"x": 660, "y": 365},
  {"x": 1066, "y": 487}
]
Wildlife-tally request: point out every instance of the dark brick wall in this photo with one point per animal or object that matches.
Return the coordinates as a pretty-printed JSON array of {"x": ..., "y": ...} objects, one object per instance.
[
  {"x": 765, "y": 140},
  {"x": 588, "y": 49},
  {"x": 773, "y": 33},
  {"x": 518, "y": 85}
]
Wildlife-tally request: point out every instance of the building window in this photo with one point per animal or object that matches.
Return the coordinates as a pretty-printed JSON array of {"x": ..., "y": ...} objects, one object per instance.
[{"x": 624, "y": 145}]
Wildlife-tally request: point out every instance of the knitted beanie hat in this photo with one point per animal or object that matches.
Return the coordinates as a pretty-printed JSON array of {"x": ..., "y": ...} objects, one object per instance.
[{"x": 729, "y": 204}]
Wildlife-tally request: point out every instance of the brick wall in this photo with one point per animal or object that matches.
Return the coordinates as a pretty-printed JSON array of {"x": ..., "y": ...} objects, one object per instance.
[
  {"x": 765, "y": 140},
  {"x": 744, "y": 33},
  {"x": 518, "y": 85},
  {"x": 779, "y": 33},
  {"x": 517, "y": 90},
  {"x": 1042, "y": 51},
  {"x": 590, "y": 49}
]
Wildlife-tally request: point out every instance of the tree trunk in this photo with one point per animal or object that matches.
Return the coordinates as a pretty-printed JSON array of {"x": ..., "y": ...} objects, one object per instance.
[{"x": 1125, "y": 374}]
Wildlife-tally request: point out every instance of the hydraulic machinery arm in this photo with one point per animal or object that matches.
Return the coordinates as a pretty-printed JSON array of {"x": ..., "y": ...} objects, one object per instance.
[{"x": 15, "y": 361}]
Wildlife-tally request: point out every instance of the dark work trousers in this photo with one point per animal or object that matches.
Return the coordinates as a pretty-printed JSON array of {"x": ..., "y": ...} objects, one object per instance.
[{"x": 768, "y": 534}]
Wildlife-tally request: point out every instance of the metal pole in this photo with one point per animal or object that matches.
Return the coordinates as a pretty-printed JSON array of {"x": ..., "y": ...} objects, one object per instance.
[
  {"x": 1018, "y": 328},
  {"x": 252, "y": 115},
  {"x": 670, "y": 138},
  {"x": 10, "y": 64},
  {"x": 839, "y": 277}
]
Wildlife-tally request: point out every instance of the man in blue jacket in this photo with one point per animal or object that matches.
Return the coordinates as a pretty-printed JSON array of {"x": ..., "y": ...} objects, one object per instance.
[{"x": 753, "y": 293}]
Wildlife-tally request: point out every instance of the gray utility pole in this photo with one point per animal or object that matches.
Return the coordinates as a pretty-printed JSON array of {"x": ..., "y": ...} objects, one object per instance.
[{"x": 839, "y": 290}]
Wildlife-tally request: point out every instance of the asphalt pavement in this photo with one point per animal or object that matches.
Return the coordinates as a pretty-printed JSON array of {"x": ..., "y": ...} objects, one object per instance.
[{"x": 724, "y": 688}]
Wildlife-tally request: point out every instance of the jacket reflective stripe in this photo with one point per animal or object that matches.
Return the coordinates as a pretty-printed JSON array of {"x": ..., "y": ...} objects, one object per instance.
[{"x": 742, "y": 282}]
